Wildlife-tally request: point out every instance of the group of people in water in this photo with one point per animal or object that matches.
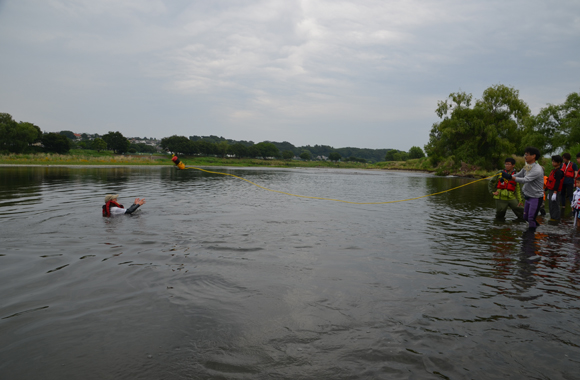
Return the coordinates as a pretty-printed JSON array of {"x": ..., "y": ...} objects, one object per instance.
[{"x": 525, "y": 192}]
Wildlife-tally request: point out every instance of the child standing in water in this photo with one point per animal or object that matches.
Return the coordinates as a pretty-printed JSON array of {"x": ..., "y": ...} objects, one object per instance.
[
  {"x": 576, "y": 200},
  {"x": 507, "y": 193},
  {"x": 570, "y": 170},
  {"x": 554, "y": 185}
]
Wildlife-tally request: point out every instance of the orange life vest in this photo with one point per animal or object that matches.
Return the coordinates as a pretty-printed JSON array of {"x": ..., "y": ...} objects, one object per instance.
[
  {"x": 504, "y": 184},
  {"x": 545, "y": 183},
  {"x": 551, "y": 183}
]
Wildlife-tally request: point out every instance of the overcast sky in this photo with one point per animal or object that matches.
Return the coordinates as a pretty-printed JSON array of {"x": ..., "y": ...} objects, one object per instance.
[{"x": 362, "y": 73}]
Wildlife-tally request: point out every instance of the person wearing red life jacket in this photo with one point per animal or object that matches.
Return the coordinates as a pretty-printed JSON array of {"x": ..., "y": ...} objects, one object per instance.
[
  {"x": 554, "y": 185},
  {"x": 570, "y": 170},
  {"x": 507, "y": 193},
  {"x": 111, "y": 207}
]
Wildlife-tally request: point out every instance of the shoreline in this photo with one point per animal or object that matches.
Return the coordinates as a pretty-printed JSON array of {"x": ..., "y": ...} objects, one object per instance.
[{"x": 91, "y": 166}]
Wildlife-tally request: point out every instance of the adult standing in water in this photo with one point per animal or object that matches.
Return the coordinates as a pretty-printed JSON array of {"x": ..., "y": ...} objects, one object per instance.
[
  {"x": 111, "y": 207},
  {"x": 532, "y": 177}
]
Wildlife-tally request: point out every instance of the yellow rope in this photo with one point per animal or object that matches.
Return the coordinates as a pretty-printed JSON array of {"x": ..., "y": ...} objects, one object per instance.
[{"x": 337, "y": 200}]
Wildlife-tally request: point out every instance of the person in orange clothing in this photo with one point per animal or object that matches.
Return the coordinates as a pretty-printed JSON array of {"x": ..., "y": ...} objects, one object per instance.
[{"x": 543, "y": 205}]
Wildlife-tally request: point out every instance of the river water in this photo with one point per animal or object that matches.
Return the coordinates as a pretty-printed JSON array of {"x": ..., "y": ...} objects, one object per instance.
[{"x": 217, "y": 279}]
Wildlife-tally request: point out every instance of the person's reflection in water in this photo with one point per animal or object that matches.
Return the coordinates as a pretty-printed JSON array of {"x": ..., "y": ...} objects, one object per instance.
[
  {"x": 576, "y": 259},
  {"x": 528, "y": 260},
  {"x": 503, "y": 246}
]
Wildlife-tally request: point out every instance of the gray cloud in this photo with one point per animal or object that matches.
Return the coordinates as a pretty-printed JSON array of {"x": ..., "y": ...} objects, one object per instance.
[{"x": 344, "y": 73}]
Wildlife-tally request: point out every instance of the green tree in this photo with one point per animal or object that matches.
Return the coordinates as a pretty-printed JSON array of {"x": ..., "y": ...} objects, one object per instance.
[
  {"x": 396, "y": 155},
  {"x": 222, "y": 148},
  {"x": 253, "y": 151},
  {"x": 306, "y": 155},
  {"x": 143, "y": 148},
  {"x": 15, "y": 137},
  {"x": 56, "y": 143},
  {"x": 205, "y": 147},
  {"x": 116, "y": 142},
  {"x": 401, "y": 156},
  {"x": 334, "y": 156},
  {"x": 480, "y": 135},
  {"x": 416, "y": 152},
  {"x": 267, "y": 149},
  {"x": 390, "y": 156},
  {"x": 287, "y": 155},
  {"x": 98, "y": 144},
  {"x": 176, "y": 144},
  {"x": 68, "y": 134},
  {"x": 239, "y": 150},
  {"x": 555, "y": 127},
  {"x": 29, "y": 126}
]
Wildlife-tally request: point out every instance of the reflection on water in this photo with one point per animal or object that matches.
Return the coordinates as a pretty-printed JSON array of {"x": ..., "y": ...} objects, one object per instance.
[{"x": 215, "y": 278}]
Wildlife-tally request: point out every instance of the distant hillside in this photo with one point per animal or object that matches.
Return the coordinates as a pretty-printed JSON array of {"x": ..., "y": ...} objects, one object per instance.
[{"x": 371, "y": 155}]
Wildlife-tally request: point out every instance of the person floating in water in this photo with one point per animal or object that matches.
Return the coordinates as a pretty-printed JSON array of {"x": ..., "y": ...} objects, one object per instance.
[
  {"x": 111, "y": 207},
  {"x": 507, "y": 193},
  {"x": 532, "y": 176}
]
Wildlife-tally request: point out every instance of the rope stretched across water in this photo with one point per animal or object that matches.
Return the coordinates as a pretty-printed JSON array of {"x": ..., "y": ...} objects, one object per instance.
[{"x": 336, "y": 200}]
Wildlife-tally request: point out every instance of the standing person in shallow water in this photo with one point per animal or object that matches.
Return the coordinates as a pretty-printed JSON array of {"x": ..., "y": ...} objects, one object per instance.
[
  {"x": 554, "y": 184},
  {"x": 570, "y": 170},
  {"x": 507, "y": 193},
  {"x": 576, "y": 201},
  {"x": 111, "y": 207},
  {"x": 532, "y": 176}
]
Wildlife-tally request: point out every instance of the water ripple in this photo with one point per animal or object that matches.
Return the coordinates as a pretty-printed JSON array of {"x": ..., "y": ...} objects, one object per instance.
[{"x": 215, "y": 278}]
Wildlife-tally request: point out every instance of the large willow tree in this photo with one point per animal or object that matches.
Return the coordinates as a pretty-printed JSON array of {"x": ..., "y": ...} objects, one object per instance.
[{"x": 480, "y": 134}]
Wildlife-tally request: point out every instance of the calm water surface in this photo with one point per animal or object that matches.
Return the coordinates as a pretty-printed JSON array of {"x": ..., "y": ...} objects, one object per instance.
[{"x": 217, "y": 279}]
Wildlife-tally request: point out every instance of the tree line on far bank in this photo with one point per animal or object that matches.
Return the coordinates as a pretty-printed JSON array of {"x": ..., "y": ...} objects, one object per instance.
[
  {"x": 23, "y": 137},
  {"x": 219, "y": 146}
]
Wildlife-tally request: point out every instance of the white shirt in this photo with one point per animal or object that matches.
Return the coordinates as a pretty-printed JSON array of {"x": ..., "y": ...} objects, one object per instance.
[
  {"x": 117, "y": 210},
  {"x": 576, "y": 199}
]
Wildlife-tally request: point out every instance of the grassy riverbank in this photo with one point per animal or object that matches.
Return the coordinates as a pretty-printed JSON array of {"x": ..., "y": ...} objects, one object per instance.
[
  {"x": 89, "y": 157},
  {"x": 81, "y": 157}
]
